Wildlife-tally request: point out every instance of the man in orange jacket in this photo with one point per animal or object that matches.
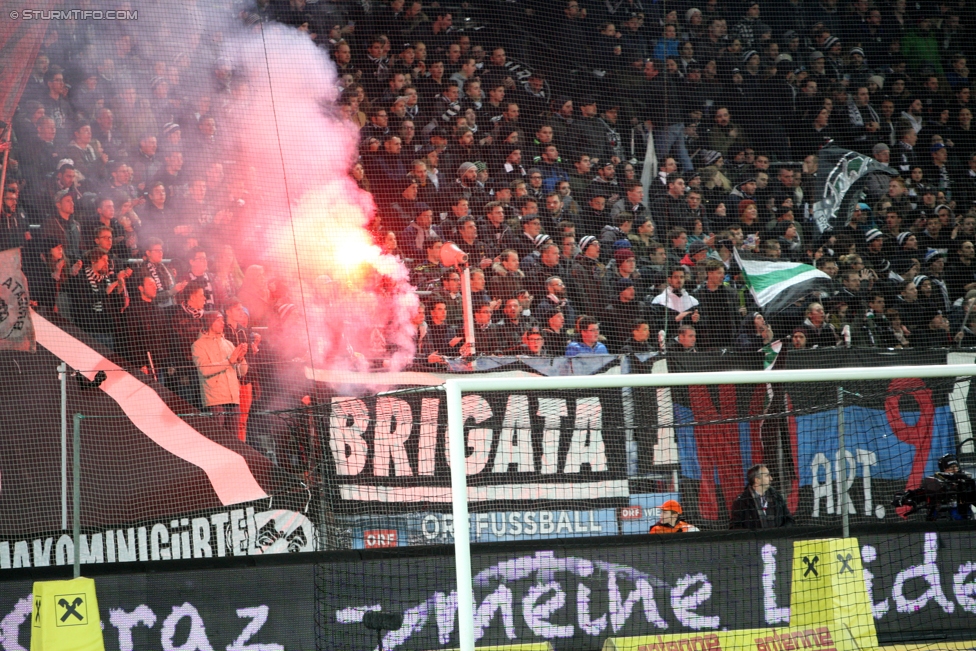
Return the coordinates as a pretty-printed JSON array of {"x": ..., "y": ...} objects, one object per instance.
[{"x": 671, "y": 521}]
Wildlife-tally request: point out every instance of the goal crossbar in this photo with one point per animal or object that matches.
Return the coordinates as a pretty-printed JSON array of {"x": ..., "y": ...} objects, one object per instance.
[
  {"x": 454, "y": 389},
  {"x": 712, "y": 377}
]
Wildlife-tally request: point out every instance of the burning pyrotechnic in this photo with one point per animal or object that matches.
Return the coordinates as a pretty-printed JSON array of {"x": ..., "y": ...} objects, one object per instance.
[{"x": 355, "y": 302}]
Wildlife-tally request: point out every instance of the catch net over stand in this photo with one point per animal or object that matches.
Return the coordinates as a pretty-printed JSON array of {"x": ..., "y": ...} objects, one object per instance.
[{"x": 551, "y": 460}]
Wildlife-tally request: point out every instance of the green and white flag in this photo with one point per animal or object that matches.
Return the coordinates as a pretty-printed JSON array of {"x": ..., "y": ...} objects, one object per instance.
[
  {"x": 775, "y": 284},
  {"x": 770, "y": 352}
]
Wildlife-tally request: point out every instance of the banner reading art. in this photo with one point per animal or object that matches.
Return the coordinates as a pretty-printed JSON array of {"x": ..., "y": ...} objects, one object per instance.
[{"x": 895, "y": 431}]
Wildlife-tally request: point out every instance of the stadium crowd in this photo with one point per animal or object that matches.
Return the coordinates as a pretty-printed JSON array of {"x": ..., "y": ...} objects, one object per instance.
[{"x": 124, "y": 195}]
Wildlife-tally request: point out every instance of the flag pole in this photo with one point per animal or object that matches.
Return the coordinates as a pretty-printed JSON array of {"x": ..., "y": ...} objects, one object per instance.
[{"x": 5, "y": 139}]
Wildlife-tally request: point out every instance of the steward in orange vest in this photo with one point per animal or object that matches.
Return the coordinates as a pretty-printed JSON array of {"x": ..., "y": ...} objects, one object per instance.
[{"x": 671, "y": 521}]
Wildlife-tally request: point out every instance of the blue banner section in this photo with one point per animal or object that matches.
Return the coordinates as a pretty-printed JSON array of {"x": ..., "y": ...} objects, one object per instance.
[
  {"x": 868, "y": 432},
  {"x": 688, "y": 447},
  {"x": 434, "y": 528},
  {"x": 437, "y": 528}
]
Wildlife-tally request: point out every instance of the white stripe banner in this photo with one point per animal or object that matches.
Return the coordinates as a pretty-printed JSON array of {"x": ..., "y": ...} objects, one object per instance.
[
  {"x": 527, "y": 491},
  {"x": 227, "y": 471}
]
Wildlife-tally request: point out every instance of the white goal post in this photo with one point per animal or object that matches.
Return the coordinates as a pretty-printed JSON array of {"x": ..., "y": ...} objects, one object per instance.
[{"x": 455, "y": 388}]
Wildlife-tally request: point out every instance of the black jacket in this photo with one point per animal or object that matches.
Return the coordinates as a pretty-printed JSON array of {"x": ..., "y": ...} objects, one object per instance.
[
  {"x": 43, "y": 287},
  {"x": 745, "y": 511},
  {"x": 184, "y": 329},
  {"x": 720, "y": 311},
  {"x": 13, "y": 226},
  {"x": 669, "y": 212},
  {"x": 92, "y": 309},
  {"x": 589, "y": 137},
  {"x": 144, "y": 331}
]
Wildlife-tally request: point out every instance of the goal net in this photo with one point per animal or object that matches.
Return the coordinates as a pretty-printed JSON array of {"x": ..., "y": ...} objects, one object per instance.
[
  {"x": 566, "y": 476},
  {"x": 571, "y": 462}
]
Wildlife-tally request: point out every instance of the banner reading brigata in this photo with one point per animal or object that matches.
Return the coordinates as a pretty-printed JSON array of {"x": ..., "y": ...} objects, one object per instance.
[{"x": 552, "y": 447}]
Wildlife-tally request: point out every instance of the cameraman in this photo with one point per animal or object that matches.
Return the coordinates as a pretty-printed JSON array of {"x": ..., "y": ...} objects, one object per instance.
[{"x": 950, "y": 491}]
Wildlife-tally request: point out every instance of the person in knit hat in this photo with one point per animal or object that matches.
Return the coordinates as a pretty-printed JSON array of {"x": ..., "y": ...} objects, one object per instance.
[
  {"x": 834, "y": 58},
  {"x": 906, "y": 248},
  {"x": 745, "y": 189},
  {"x": 622, "y": 265},
  {"x": 586, "y": 275},
  {"x": 697, "y": 254},
  {"x": 469, "y": 170},
  {"x": 750, "y": 29},
  {"x": 621, "y": 254},
  {"x": 621, "y": 312},
  {"x": 874, "y": 255},
  {"x": 468, "y": 186},
  {"x": 532, "y": 259},
  {"x": 857, "y": 70},
  {"x": 709, "y": 156},
  {"x": 671, "y": 520}
]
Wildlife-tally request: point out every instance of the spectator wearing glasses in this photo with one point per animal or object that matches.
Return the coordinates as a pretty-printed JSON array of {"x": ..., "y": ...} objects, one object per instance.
[
  {"x": 104, "y": 242},
  {"x": 97, "y": 297},
  {"x": 533, "y": 342},
  {"x": 485, "y": 330},
  {"x": 378, "y": 127},
  {"x": 588, "y": 331}
]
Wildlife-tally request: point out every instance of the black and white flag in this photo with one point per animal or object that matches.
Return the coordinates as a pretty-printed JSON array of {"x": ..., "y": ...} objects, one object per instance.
[{"x": 16, "y": 328}]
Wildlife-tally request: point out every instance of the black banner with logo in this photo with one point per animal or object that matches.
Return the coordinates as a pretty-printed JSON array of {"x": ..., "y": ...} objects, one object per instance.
[
  {"x": 841, "y": 175},
  {"x": 552, "y": 447}
]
